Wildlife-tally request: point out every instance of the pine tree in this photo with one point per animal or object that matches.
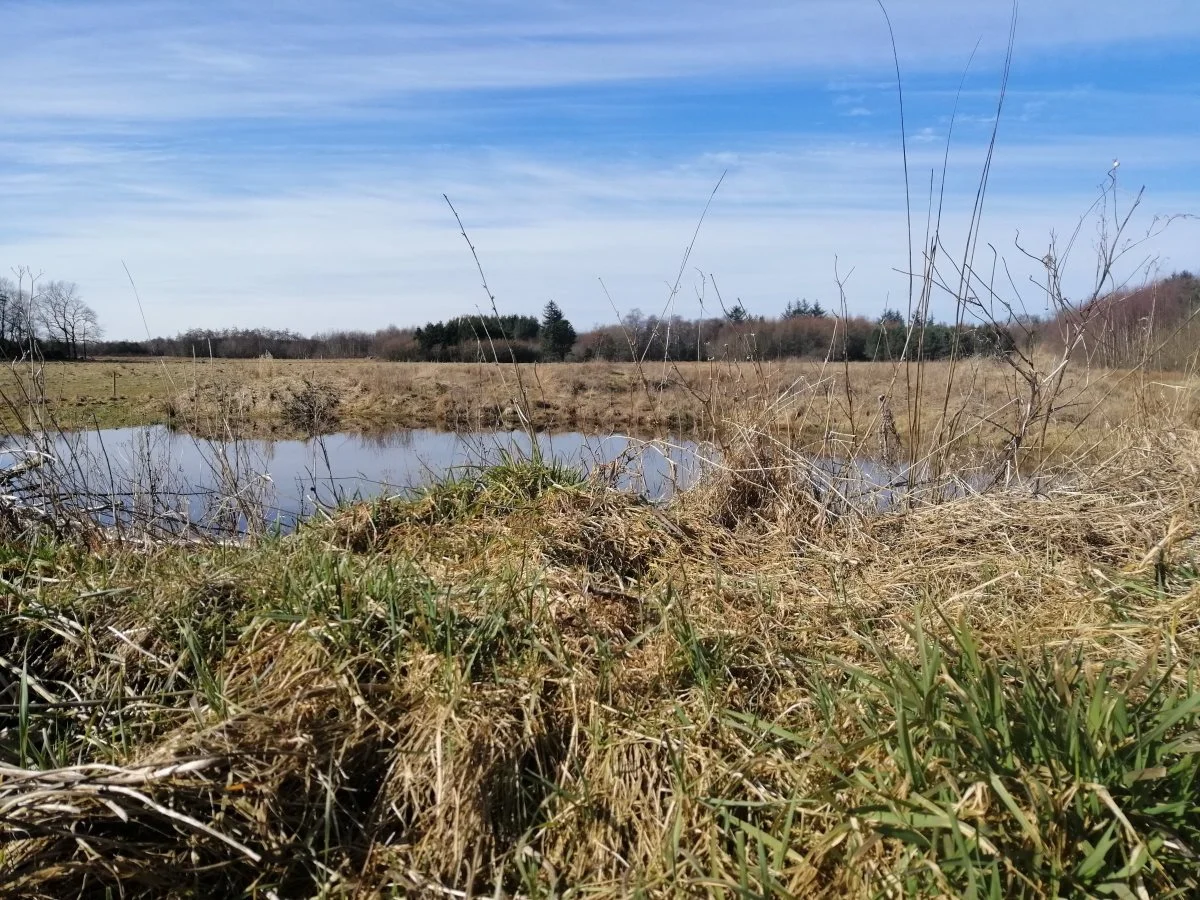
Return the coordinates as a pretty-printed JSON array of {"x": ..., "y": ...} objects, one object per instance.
[
  {"x": 802, "y": 309},
  {"x": 797, "y": 309},
  {"x": 558, "y": 335}
]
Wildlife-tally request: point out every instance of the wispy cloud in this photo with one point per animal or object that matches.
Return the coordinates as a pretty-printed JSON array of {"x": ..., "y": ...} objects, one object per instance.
[
  {"x": 171, "y": 60},
  {"x": 253, "y": 161},
  {"x": 368, "y": 246}
]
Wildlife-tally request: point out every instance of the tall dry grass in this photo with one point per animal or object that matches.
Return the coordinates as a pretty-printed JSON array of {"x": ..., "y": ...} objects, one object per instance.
[
  {"x": 524, "y": 683},
  {"x": 925, "y": 630}
]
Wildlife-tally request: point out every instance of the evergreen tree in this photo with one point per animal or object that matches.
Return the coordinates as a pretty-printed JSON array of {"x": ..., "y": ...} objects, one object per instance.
[
  {"x": 558, "y": 335},
  {"x": 737, "y": 313},
  {"x": 802, "y": 309},
  {"x": 797, "y": 309}
]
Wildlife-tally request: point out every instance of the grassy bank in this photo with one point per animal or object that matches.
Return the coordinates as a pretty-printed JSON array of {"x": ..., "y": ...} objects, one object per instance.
[
  {"x": 816, "y": 407},
  {"x": 526, "y": 684}
]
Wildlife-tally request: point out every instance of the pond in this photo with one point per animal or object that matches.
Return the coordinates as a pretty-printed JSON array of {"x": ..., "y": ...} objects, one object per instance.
[
  {"x": 171, "y": 476},
  {"x": 173, "y": 483}
]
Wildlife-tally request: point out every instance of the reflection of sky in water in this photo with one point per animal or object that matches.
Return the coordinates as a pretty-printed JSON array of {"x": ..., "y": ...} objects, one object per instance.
[
  {"x": 152, "y": 474},
  {"x": 174, "y": 471}
]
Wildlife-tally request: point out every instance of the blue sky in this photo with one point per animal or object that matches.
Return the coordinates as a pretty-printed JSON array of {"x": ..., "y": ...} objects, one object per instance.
[{"x": 282, "y": 164}]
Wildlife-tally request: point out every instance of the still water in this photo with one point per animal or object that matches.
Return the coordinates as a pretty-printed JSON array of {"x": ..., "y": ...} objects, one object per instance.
[
  {"x": 170, "y": 482},
  {"x": 175, "y": 476}
]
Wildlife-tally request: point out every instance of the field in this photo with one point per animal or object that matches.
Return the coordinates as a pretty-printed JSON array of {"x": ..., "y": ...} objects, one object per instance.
[
  {"x": 525, "y": 683},
  {"x": 820, "y": 407}
]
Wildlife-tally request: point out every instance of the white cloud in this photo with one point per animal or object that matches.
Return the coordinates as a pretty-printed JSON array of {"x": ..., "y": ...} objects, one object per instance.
[
  {"x": 169, "y": 60},
  {"x": 367, "y": 246},
  {"x": 135, "y": 131}
]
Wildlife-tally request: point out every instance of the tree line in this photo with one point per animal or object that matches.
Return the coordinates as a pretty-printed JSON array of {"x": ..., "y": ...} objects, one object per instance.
[
  {"x": 45, "y": 318},
  {"x": 803, "y": 330},
  {"x": 1157, "y": 323},
  {"x": 813, "y": 335}
]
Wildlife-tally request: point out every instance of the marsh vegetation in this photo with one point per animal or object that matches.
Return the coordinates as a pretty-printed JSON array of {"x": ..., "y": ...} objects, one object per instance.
[{"x": 526, "y": 681}]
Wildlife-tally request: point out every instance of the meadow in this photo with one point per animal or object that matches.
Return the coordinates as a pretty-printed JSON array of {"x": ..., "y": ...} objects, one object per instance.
[
  {"x": 821, "y": 407},
  {"x": 523, "y": 682}
]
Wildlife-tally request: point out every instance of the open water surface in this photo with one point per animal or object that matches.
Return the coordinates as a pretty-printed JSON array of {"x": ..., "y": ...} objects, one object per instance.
[
  {"x": 172, "y": 482},
  {"x": 175, "y": 476}
]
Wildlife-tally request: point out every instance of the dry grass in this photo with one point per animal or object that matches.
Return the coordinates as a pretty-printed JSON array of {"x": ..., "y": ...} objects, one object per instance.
[
  {"x": 809, "y": 405},
  {"x": 527, "y": 684}
]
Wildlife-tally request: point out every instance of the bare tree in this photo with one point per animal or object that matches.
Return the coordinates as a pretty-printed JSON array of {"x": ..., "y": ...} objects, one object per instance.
[
  {"x": 8, "y": 298},
  {"x": 88, "y": 329},
  {"x": 53, "y": 312},
  {"x": 66, "y": 318},
  {"x": 22, "y": 315}
]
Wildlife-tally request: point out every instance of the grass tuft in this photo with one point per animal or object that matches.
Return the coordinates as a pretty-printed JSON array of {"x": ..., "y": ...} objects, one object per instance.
[{"x": 1010, "y": 776}]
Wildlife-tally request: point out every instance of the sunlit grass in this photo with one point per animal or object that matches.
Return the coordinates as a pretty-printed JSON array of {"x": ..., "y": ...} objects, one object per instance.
[{"x": 525, "y": 679}]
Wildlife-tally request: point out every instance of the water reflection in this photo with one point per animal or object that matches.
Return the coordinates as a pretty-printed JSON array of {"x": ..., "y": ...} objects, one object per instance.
[
  {"x": 158, "y": 474},
  {"x": 164, "y": 481}
]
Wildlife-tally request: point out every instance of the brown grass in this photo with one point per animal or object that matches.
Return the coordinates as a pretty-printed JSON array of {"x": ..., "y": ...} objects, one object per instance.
[
  {"x": 516, "y": 686},
  {"x": 524, "y": 682},
  {"x": 807, "y": 405}
]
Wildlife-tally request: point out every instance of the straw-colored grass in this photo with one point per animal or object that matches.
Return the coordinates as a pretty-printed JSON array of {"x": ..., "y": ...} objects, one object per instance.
[
  {"x": 819, "y": 407},
  {"x": 524, "y": 683}
]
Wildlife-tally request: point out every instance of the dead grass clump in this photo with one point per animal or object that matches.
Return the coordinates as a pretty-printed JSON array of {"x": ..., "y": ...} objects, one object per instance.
[
  {"x": 465, "y": 783},
  {"x": 760, "y": 484},
  {"x": 313, "y": 408},
  {"x": 1089, "y": 529},
  {"x": 454, "y": 412},
  {"x": 588, "y": 615},
  {"x": 606, "y": 533},
  {"x": 253, "y": 791},
  {"x": 488, "y": 492},
  {"x": 61, "y": 647},
  {"x": 1013, "y": 564},
  {"x": 363, "y": 527},
  {"x": 264, "y": 781}
]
